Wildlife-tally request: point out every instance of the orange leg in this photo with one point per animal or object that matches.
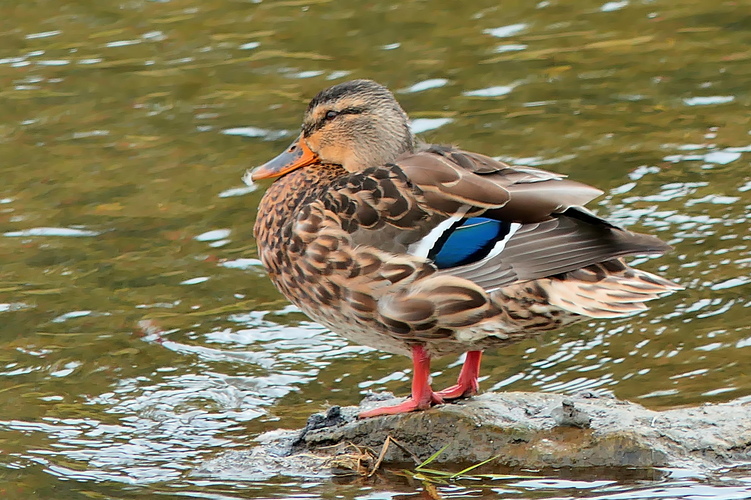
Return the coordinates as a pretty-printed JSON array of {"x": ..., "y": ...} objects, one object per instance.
[
  {"x": 422, "y": 396},
  {"x": 467, "y": 384}
]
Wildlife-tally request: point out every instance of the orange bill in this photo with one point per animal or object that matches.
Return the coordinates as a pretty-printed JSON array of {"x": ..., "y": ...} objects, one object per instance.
[{"x": 295, "y": 156}]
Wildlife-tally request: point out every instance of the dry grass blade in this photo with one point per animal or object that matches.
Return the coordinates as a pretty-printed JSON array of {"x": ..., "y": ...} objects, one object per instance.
[
  {"x": 356, "y": 463},
  {"x": 382, "y": 454},
  {"x": 432, "y": 491}
]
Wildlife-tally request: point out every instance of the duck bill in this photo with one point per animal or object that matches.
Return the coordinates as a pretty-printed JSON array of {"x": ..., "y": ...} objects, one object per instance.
[{"x": 297, "y": 155}]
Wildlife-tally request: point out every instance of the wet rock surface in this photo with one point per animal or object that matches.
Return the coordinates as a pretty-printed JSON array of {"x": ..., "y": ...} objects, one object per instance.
[{"x": 533, "y": 430}]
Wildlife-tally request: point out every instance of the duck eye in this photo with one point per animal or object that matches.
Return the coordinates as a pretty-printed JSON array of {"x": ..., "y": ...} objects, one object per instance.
[{"x": 331, "y": 114}]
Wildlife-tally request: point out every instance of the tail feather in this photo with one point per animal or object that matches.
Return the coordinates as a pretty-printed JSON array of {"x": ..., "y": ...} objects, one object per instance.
[{"x": 618, "y": 290}]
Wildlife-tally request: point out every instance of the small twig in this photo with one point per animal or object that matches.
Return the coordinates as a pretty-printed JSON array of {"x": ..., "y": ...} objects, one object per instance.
[{"x": 405, "y": 450}]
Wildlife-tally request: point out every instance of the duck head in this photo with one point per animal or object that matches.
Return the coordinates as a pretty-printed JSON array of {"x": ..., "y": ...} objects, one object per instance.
[{"x": 356, "y": 124}]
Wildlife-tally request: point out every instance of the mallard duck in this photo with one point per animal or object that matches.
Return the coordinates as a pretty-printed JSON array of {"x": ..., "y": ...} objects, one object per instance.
[{"x": 428, "y": 250}]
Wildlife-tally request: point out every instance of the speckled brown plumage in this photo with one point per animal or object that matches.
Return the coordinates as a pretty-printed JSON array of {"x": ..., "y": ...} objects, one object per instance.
[{"x": 352, "y": 232}]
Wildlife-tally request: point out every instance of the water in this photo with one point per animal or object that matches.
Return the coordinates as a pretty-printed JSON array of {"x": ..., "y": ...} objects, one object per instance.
[{"x": 127, "y": 127}]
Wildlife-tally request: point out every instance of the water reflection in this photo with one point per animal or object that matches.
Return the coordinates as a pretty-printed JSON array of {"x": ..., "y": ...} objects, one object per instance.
[
  {"x": 52, "y": 231},
  {"x": 166, "y": 421}
]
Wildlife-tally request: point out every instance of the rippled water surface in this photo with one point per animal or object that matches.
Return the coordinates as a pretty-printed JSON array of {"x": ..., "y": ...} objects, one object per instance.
[{"x": 126, "y": 127}]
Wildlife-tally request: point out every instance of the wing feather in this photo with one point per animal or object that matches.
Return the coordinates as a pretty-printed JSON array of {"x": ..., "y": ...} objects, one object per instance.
[
  {"x": 421, "y": 190},
  {"x": 564, "y": 243}
]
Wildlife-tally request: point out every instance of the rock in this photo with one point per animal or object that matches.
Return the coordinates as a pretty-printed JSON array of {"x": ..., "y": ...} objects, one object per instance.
[
  {"x": 530, "y": 430},
  {"x": 332, "y": 418},
  {"x": 273, "y": 456},
  {"x": 569, "y": 415}
]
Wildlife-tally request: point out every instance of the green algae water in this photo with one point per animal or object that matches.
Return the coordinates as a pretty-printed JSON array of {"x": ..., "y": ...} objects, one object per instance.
[{"x": 126, "y": 128}]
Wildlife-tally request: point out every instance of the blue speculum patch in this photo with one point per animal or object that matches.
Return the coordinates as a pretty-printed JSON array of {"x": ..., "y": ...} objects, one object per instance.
[{"x": 468, "y": 241}]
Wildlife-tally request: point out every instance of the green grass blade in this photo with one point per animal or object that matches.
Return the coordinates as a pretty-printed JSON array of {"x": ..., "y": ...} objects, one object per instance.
[
  {"x": 473, "y": 467},
  {"x": 436, "y": 472},
  {"x": 432, "y": 457},
  {"x": 504, "y": 476}
]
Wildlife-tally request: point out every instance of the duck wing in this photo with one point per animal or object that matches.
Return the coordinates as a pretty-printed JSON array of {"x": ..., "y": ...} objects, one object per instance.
[
  {"x": 504, "y": 224},
  {"x": 453, "y": 180}
]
